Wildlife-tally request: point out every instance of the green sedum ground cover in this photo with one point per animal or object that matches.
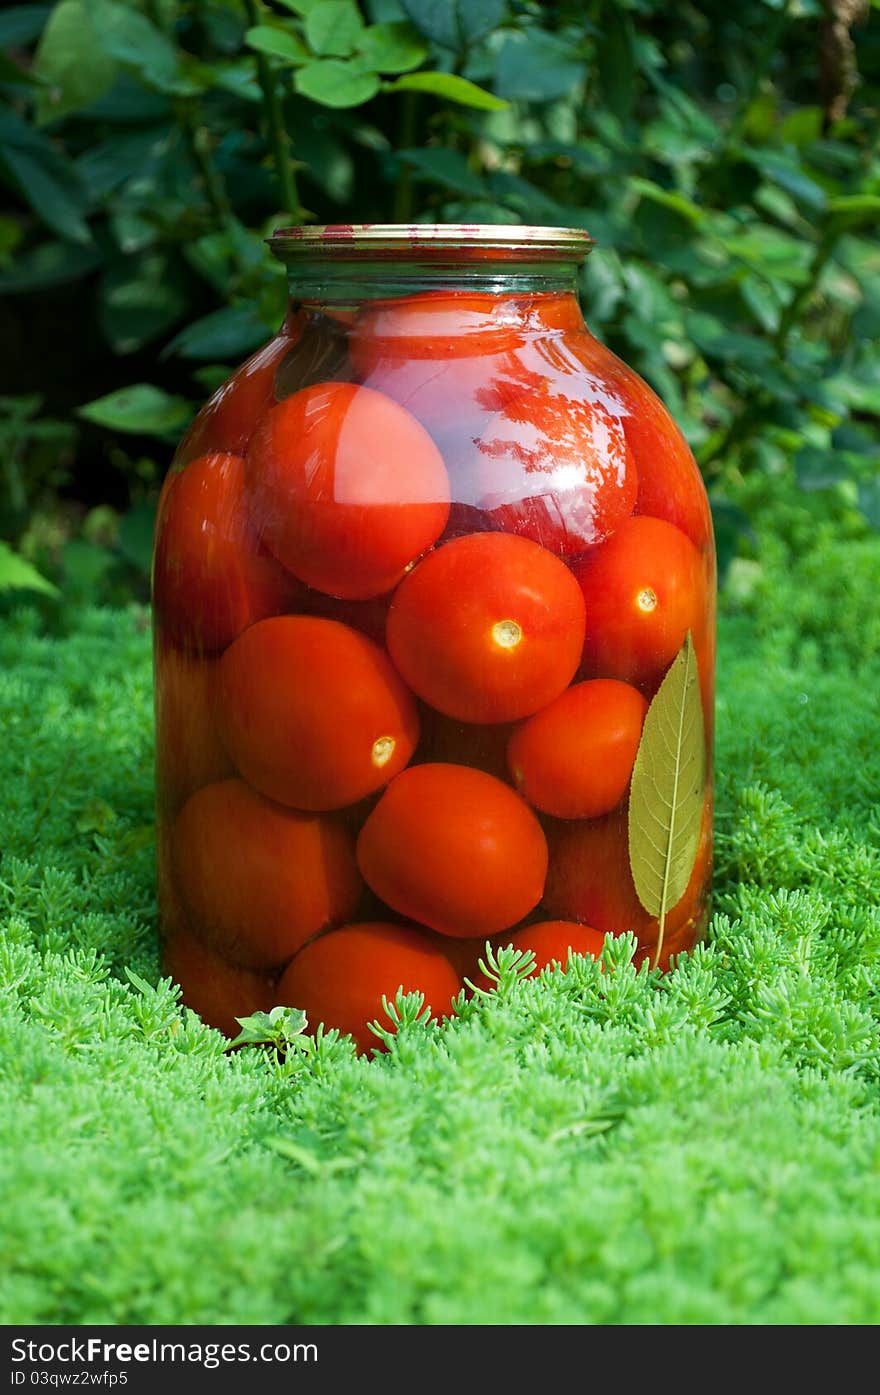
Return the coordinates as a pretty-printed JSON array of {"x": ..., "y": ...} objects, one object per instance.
[{"x": 590, "y": 1148}]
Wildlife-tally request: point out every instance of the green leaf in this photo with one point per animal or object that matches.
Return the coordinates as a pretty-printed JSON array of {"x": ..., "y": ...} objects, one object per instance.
[
  {"x": 667, "y": 198},
  {"x": 139, "y": 300},
  {"x": 50, "y": 264},
  {"x": 52, "y": 190},
  {"x": 22, "y": 24},
  {"x": 127, "y": 36},
  {"x": 141, "y": 409},
  {"x": 136, "y": 529},
  {"x": 446, "y": 167},
  {"x": 224, "y": 334},
  {"x": 71, "y": 61},
  {"x": 449, "y": 88},
  {"x": 334, "y": 83},
  {"x": 869, "y": 500},
  {"x": 818, "y": 468},
  {"x": 668, "y": 790},
  {"x": 277, "y": 1027},
  {"x": 786, "y": 172},
  {"x": 334, "y": 27},
  {"x": 277, "y": 43},
  {"x": 617, "y": 67},
  {"x": 534, "y": 66},
  {"x": 97, "y": 816},
  {"x": 103, "y": 167},
  {"x": 16, "y": 574},
  {"x": 455, "y": 24},
  {"x": 855, "y": 208},
  {"x": 392, "y": 48}
]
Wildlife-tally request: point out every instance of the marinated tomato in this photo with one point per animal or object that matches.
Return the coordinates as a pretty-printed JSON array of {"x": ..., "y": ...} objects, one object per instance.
[
  {"x": 574, "y": 758},
  {"x": 643, "y": 592},
  {"x": 454, "y": 849},
  {"x": 347, "y": 488},
  {"x": 219, "y": 992},
  {"x": 550, "y": 941},
  {"x": 556, "y": 470},
  {"x": 226, "y": 422},
  {"x": 258, "y": 880},
  {"x": 670, "y": 484},
  {"x": 189, "y": 752},
  {"x": 487, "y": 628},
  {"x": 341, "y": 978},
  {"x": 211, "y": 578},
  {"x": 312, "y": 713}
]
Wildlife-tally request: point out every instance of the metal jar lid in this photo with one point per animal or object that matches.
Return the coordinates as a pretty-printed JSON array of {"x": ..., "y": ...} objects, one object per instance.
[{"x": 352, "y": 242}]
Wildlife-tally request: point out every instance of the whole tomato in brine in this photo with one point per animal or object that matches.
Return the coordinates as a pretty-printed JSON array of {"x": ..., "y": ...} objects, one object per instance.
[
  {"x": 643, "y": 590},
  {"x": 454, "y": 849},
  {"x": 313, "y": 713},
  {"x": 189, "y": 752},
  {"x": 487, "y": 628},
  {"x": 347, "y": 488},
  {"x": 341, "y": 978},
  {"x": 670, "y": 484},
  {"x": 258, "y": 880},
  {"x": 575, "y": 757},
  {"x": 227, "y": 420},
  {"x": 211, "y": 577},
  {"x": 556, "y": 469},
  {"x": 218, "y": 991}
]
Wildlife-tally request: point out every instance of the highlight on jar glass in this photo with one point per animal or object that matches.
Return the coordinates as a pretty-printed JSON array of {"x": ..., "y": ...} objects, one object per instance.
[{"x": 434, "y": 603}]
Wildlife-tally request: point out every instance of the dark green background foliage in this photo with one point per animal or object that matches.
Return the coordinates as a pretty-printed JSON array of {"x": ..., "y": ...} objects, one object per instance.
[
  {"x": 596, "y": 1148},
  {"x": 725, "y": 157}
]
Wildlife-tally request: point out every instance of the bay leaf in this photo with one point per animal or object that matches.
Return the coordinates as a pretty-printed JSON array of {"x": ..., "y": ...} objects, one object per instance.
[{"x": 667, "y": 791}]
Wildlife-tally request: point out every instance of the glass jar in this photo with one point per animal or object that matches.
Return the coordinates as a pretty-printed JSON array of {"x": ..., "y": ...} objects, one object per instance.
[{"x": 434, "y": 593}]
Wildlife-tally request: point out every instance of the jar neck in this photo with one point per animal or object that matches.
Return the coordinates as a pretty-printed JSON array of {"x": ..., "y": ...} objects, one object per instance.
[{"x": 319, "y": 281}]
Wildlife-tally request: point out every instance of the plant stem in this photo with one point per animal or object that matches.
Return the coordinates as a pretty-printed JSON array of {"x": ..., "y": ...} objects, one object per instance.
[
  {"x": 279, "y": 140},
  {"x": 403, "y": 194},
  {"x": 765, "y": 55},
  {"x": 199, "y": 141},
  {"x": 789, "y": 316}
]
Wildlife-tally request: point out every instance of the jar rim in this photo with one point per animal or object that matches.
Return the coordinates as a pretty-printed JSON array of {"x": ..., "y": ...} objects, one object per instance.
[{"x": 351, "y": 242}]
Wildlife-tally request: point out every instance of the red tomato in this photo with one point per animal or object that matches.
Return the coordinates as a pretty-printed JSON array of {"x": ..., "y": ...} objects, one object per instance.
[
  {"x": 454, "y": 849},
  {"x": 347, "y": 487},
  {"x": 557, "y": 470},
  {"x": 431, "y": 350},
  {"x": 487, "y": 628},
  {"x": 574, "y": 758},
  {"x": 465, "y": 348},
  {"x": 217, "y": 991},
  {"x": 210, "y": 579},
  {"x": 589, "y": 880},
  {"x": 226, "y": 422},
  {"x": 258, "y": 880},
  {"x": 341, "y": 978},
  {"x": 189, "y": 752},
  {"x": 643, "y": 591},
  {"x": 670, "y": 484},
  {"x": 312, "y": 713},
  {"x": 550, "y": 941}
]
